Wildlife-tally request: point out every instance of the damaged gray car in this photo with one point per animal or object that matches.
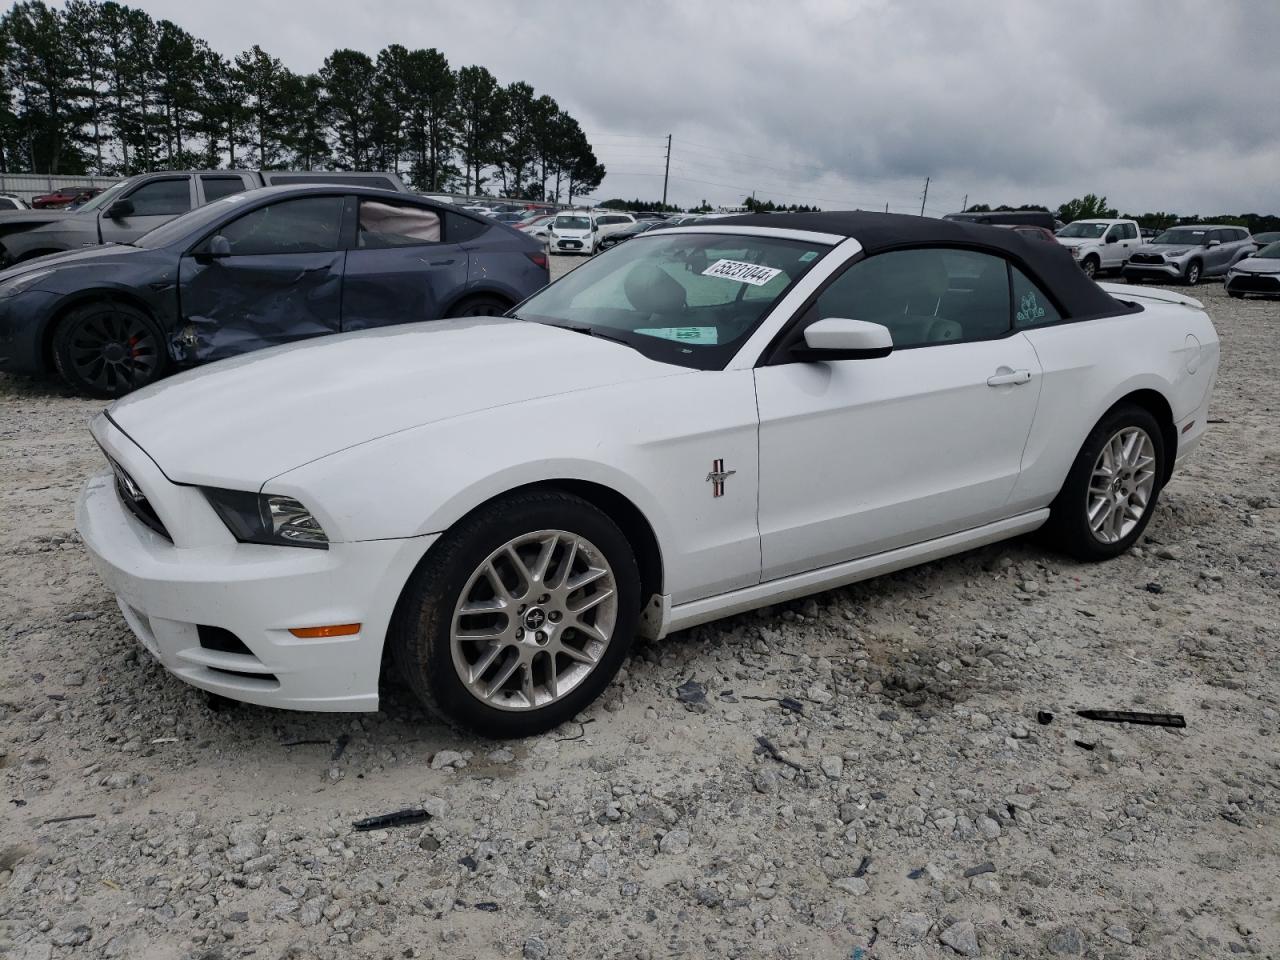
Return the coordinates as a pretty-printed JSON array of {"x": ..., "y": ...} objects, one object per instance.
[{"x": 253, "y": 270}]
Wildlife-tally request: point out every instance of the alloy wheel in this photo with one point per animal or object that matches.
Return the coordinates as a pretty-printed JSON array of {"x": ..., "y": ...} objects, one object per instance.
[
  {"x": 1122, "y": 484},
  {"x": 113, "y": 351},
  {"x": 1090, "y": 268},
  {"x": 534, "y": 620},
  {"x": 1193, "y": 274}
]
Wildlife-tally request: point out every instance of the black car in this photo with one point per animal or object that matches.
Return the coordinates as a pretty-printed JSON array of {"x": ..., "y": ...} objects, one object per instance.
[
  {"x": 626, "y": 233},
  {"x": 253, "y": 270}
]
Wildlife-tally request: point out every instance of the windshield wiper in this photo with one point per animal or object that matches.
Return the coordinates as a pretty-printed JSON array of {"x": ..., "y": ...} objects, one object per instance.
[{"x": 579, "y": 328}]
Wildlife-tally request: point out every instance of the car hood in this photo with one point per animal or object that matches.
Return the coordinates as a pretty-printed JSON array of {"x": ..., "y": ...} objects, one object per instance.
[
  {"x": 1163, "y": 248},
  {"x": 95, "y": 256},
  {"x": 1078, "y": 241},
  {"x": 31, "y": 218},
  {"x": 1259, "y": 265},
  {"x": 240, "y": 422}
]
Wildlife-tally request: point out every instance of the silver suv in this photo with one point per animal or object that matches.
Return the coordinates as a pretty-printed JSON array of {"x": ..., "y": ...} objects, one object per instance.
[{"x": 1191, "y": 253}]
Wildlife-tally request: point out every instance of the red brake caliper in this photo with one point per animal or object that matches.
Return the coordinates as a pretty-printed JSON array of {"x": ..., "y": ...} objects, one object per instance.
[{"x": 133, "y": 347}]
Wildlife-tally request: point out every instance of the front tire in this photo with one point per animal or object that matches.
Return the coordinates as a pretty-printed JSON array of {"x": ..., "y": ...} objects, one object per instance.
[
  {"x": 1194, "y": 271},
  {"x": 1112, "y": 488},
  {"x": 482, "y": 306},
  {"x": 520, "y": 616},
  {"x": 1090, "y": 267},
  {"x": 106, "y": 349}
]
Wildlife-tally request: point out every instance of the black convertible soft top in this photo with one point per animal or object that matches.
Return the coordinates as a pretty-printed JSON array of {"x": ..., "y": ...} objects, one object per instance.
[{"x": 1049, "y": 264}]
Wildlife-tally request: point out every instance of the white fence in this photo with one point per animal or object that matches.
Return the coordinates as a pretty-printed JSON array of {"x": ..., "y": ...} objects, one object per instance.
[{"x": 28, "y": 185}]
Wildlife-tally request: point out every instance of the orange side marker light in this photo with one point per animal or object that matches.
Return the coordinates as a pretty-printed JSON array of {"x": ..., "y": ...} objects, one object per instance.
[{"x": 334, "y": 630}]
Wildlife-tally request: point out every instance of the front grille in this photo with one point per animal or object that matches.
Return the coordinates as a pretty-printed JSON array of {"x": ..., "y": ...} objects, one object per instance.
[
  {"x": 1146, "y": 258},
  {"x": 136, "y": 502},
  {"x": 1255, "y": 283}
]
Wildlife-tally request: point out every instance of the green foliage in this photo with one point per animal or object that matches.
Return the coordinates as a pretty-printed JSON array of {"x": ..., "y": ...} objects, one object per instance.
[
  {"x": 102, "y": 87},
  {"x": 768, "y": 206},
  {"x": 1089, "y": 207}
]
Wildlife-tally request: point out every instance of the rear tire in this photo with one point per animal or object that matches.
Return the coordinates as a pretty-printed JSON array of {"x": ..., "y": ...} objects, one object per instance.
[
  {"x": 501, "y": 684},
  {"x": 480, "y": 306},
  {"x": 1112, "y": 488},
  {"x": 107, "y": 349}
]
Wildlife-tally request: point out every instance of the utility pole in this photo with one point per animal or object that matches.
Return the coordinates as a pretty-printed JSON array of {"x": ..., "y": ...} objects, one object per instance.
[
  {"x": 965, "y": 206},
  {"x": 666, "y": 172},
  {"x": 925, "y": 196}
]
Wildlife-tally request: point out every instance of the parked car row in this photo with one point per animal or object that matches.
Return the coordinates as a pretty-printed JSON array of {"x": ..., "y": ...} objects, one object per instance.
[
  {"x": 139, "y": 204},
  {"x": 255, "y": 268}
]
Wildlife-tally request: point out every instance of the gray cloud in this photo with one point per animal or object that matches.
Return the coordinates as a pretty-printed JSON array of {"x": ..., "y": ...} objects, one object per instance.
[{"x": 1159, "y": 105}]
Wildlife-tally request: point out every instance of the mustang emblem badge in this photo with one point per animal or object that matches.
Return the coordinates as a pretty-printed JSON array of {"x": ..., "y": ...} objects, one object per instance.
[{"x": 717, "y": 477}]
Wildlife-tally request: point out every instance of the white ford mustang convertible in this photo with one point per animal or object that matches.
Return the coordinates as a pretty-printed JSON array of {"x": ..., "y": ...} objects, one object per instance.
[{"x": 701, "y": 421}]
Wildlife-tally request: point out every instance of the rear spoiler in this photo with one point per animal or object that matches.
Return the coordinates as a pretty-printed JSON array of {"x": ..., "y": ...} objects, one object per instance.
[{"x": 1125, "y": 291}]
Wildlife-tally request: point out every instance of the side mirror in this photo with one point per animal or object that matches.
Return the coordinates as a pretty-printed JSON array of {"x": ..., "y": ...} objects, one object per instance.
[
  {"x": 1112, "y": 238},
  {"x": 219, "y": 246},
  {"x": 1214, "y": 243},
  {"x": 837, "y": 338},
  {"x": 120, "y": 209}
]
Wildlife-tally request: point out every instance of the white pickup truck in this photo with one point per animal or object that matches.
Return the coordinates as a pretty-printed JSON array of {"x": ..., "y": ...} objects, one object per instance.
[{"x": 1099, "y": 245}]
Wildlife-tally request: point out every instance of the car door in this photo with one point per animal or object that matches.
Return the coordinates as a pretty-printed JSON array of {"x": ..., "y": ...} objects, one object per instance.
[
  {"x": 402, "y": 264},
  {"x": 149, "y": 205},
  {"x": 270, "y": 276},
  {"x": 1113, "y": 246},
  {"x": 862, "y": 456}
]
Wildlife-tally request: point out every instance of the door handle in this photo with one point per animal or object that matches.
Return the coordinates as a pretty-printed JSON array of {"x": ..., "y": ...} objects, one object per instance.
[
  {"x": 439, "y": 263},
  {"x": 1009, "y": 378}
]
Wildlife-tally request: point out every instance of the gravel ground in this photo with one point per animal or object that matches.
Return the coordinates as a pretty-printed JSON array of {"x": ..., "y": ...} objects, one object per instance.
[{"x": 910, "y": 804}]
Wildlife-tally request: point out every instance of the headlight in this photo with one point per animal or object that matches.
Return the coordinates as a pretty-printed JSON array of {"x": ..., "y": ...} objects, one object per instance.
[
  {"x": 266, "y": 518},
  {"x": 9, "y": 288},
  {"x": 1171, "y": 254}
]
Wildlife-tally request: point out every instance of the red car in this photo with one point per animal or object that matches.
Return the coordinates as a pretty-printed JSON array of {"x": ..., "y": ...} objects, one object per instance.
[{"x": 64, "y": 197}]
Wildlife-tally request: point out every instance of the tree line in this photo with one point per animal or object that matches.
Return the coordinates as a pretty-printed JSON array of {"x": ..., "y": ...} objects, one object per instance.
[
  {"x": 102, "y": 88},
  {"x": 1093, "y": 207}
]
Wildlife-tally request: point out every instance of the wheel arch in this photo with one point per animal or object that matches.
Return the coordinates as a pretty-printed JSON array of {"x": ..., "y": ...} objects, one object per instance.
[
  {"x": 79, "y": 299},
  {"x": 1155, "y": 404},
  {"x": 635, "y": 526},
  {"x": 479, "y": 293}
]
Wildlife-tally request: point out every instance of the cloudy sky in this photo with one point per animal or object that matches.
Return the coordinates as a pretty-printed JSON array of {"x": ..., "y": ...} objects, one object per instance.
[{"x": 1158, "y": 104}]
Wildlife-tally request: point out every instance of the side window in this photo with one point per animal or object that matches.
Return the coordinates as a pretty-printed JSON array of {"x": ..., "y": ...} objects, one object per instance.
[
  {"x": 1031, "y": 308},
  {"x": 459, "y": 228},
  {"x": 383, "y": 225},
  {"x": 162, "y": 198},
  {"x": 215, "y": 188},
  {"x": 305, "y": 225},
  {"x": 1130, "y": 232},
  {"x": 925, "y": 297}
]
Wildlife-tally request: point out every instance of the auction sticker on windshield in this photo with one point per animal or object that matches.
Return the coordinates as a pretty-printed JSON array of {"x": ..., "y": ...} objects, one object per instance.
[{"x": 750, "y": 273}]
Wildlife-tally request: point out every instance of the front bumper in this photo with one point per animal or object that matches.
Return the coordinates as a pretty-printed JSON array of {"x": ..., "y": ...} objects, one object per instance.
[
  {"x": 168, "y": 590},
  {"x": 1256, "y": 284},
  {"x": 22, "y": 326},
  {"x": 1158, "y": 271}
]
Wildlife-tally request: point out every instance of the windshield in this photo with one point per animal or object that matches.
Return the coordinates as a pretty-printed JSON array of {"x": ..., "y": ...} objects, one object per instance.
[
  {"x": 1184, "y": 236},
  {"x": 690, "y": 299},
  {"x": 1271, "y": 251},
  {"x": 1085, "y": 231},
  {"x": 107, "y": 197},
  {"x": 189, "y": 223},
  {"x": 573, "y": 223}
]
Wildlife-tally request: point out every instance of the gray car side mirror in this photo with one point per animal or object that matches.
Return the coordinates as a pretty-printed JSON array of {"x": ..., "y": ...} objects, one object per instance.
[{"x": 120, "y": 209}]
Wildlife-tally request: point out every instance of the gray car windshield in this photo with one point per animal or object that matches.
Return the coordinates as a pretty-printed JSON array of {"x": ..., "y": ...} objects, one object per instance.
[
  {"x": 684, "y": 298},
  {"x": 572, "y": 223},
  {"x": 1270, "y": 252},
  {"x": 1084, "y": 231},
  {"x": 1183, "y": 237},
  {"x": 107, "y": 197}
]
